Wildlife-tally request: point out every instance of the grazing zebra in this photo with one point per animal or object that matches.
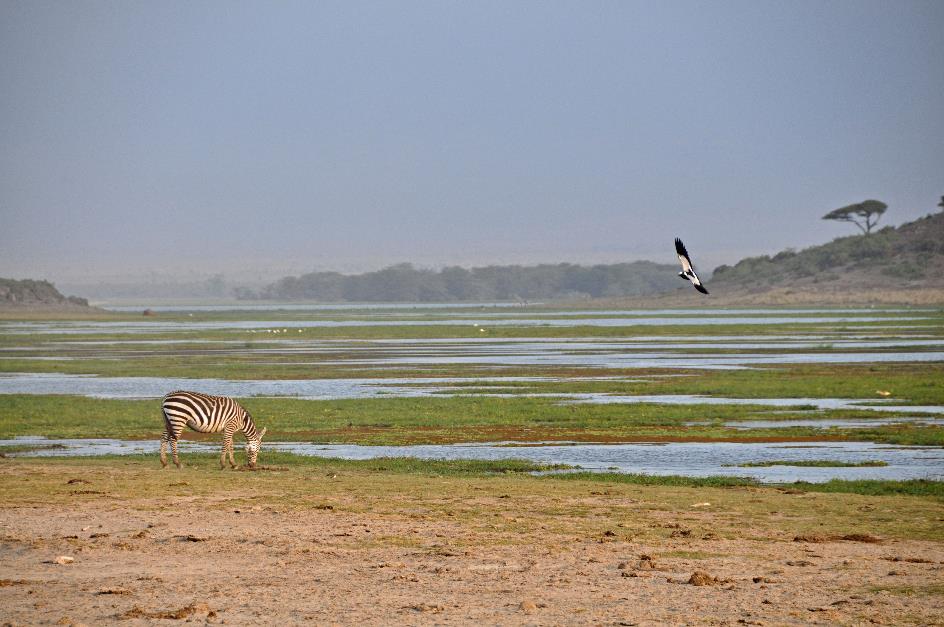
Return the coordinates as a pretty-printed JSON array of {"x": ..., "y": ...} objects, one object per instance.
[{"x": 208, "y": 414}]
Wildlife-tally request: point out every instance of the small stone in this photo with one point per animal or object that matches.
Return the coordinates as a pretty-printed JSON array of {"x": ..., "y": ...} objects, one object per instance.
[
  {"x": 528, "y": 606},
  {"x": 700, "y": 578},
  {"x": 63, "y": 560}
]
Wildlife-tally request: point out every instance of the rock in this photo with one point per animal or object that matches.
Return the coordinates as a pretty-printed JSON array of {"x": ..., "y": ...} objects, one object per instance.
[
  {"x": 528, "y": 606},
  {"x": 700, "y": 578},
  {"x": 63, "y": 560},
  {"x": 799, "y": 563},
  {"x": 646, "y": 563},
  {"x": 426, "y": 607}
]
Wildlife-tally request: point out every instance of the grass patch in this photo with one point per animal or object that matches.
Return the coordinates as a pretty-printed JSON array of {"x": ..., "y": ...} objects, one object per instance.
[
  {"x": 436, "y": 420},
  {"x": 877, "y": 487},
  {"x": 812, "y": 463},
  {"x": 26, "y": 448},
  {"x": 657, "y": 480}
]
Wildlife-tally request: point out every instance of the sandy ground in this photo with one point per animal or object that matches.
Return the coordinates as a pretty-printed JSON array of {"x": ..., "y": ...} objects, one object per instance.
[{"x": 419, "y": 558}]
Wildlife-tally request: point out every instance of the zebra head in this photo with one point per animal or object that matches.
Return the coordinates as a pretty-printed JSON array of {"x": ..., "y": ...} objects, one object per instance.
[{"x": 252, "y": 448}]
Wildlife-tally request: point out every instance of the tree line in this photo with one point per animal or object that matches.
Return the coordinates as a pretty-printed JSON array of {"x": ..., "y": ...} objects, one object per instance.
[{"x": 406, "y": 283}]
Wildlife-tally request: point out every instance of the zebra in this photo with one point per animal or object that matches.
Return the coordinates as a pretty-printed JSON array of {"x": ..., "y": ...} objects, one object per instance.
[{"x": 208, "y": 414}]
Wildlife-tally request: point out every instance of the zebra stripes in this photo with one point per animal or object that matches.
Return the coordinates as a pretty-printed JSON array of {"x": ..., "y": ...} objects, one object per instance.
[{"x": 208, "y": 414}]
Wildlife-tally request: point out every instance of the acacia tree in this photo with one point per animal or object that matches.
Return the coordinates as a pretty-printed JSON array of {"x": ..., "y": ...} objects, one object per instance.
[{"x": 864, "y": 215}]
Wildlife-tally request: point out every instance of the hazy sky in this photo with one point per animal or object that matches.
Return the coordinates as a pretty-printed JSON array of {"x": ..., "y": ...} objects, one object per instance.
[{"x": 258, "y": 137}]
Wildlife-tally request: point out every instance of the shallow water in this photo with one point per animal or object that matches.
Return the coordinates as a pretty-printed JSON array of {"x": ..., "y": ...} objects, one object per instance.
[
  {"x": 156, "y": 387},
  {"x": 688, "y": 458},
  {"x": 685, "y": 318},
  {"x": 645, "y": 360},
  {"x": 695, "y": 399},
  {"x": 338, "y": 389}
]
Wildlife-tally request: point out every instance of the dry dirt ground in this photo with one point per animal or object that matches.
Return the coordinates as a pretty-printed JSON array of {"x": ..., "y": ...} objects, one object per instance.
[{"x": 301, "y": 545}]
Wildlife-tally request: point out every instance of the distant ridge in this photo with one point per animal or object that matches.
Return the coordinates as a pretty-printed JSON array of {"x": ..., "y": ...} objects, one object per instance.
[
  {"x": 910, "y": 256},
  {"x": 405, "y": 283},
  {"x": 30, "y": 294}
]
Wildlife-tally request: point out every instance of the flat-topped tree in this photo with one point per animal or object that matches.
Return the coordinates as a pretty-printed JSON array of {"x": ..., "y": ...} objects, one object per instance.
[{"x": 864, "y": 215}]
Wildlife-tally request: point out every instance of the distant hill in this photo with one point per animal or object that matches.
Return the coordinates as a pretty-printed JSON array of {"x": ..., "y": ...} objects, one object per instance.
[
  {"x": 30, "y": 294},
  {"x": 405, "y": 283},
  {"x": 908, "y": 257}
]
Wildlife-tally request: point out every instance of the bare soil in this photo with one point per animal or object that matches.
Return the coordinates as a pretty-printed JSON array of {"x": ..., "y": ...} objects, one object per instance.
[{"x": 292, "y": 546}]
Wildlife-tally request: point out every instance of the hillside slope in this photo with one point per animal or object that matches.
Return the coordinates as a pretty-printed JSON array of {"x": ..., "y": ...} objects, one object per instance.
[
  {"x": 910, "y": 257},
  {"x": 30, "y": 294}
]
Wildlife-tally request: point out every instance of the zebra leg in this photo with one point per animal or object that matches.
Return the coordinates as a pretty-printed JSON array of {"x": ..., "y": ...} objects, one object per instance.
[
  {"x": 228, "y": 432},
  {"x": 227, "y": 444},
  {"x": 164, "y": 450},
  {"x": 173, "y": 447}
]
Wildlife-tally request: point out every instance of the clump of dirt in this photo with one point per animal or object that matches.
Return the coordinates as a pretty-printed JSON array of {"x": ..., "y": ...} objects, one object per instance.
[
  {"x": 74, "y": 481},
  {"x": 425, "y": 608},
  {"x": 182, "y": 613},
  {"x": 262, "y": 469},
  {"x": 646, "y": 563},
  {"x": 113, "y": 591},
  {"x": 862, "y": 537},
  {"x": 910, "y": 560},
  {"x": 15, "y": 582},
  {"x": 701, "y": 578},
  {"x": 811, "y": 537},
  {"x": 190, "y": 538}
]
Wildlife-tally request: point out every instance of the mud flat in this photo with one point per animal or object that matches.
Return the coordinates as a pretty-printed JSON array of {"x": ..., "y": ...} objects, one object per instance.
[{"x": 292, "y": 544}]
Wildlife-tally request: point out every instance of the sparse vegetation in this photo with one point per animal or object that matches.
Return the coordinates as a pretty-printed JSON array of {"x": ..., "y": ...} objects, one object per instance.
[
  {"x": 814, "y": 463},
  {"x": 912, "y": 252}
]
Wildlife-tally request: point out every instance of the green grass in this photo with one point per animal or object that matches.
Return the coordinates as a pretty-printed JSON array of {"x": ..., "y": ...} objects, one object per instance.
[
  {"x": 275, "y": 461},
  {"x": 869, "y": 487},
  {"x": 657, "y": 480},
  {"x": 553, "y": 473},
  {"x": 876, "y": 487},
  {"x": 813, "y": 463},
  {"x": 7, "y": 449},
  {"x": 435, "y": 420}
]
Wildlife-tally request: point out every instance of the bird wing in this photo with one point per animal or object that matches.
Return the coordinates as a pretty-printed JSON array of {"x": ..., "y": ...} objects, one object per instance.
[{"x": 683, "y": 256}]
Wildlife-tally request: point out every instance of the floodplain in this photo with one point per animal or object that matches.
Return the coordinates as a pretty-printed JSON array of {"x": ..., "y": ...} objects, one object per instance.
[{"x": 538, "y": 453}]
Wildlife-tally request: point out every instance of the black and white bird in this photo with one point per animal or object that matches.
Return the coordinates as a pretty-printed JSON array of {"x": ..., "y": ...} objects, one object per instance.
[{"x": 688, "y": 270}]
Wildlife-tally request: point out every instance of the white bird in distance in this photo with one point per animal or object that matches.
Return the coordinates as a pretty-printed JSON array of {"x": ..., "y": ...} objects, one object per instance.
[{"x": 688, "y": 270}]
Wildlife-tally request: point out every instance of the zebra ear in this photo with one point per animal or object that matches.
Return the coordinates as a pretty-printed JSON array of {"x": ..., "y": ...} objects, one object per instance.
[{"x": 262, "y": 433}]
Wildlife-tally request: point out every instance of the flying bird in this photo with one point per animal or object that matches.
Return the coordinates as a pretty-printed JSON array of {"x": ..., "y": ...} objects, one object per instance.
[{"x": 688, "y": 270}]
